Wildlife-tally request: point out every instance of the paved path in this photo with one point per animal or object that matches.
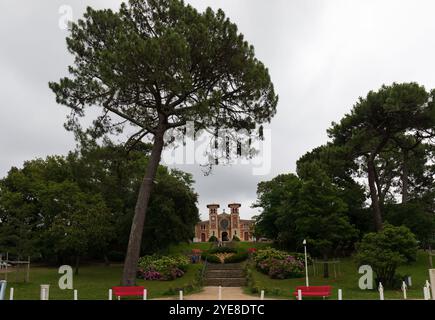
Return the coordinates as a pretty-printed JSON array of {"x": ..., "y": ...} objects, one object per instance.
[{"x": 211, "y": 293}]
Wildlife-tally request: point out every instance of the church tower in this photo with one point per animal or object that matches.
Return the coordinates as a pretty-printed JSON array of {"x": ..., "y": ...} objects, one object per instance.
[
  {"x": 213, "y": 219},
  {"x": 235, "y": 220}
]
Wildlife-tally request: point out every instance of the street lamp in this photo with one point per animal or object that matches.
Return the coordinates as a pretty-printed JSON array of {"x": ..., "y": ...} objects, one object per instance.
[{"x": 306, "y": 263}]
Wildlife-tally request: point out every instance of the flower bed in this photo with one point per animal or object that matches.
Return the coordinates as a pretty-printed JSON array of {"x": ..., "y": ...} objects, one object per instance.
[
  {"x": 279, "y": 264},
  {"x": 224, "y": 255},
  {"x": 162, "y": 267}
]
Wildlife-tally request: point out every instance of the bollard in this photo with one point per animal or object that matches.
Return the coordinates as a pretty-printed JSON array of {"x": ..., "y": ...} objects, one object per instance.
[
  {"x": 145, "y": 294},
  {"x": 404, "y": 290},
  {"x": 428, "y": 288},
  {"x": 181, "y": 294},
  {"x": 425, "y": 293},
  {"x": 75, "y": 295},
  {"x": 110, "y": 294},
  {"x": 11, "y": 294},
  {"x": 3, "y": 285},
  {"x": 220, "y": 293},
  {"x": 381, "y": 291},
  {"x": 299, "y": 294},
  {"x": 340, "y": 294},
  {"x": 262, "y": 295},
  {"x": 45, "y": 292}
]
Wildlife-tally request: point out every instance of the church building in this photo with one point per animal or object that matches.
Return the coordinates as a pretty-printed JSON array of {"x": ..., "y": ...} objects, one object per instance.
[{"x": 224, "y": 226}]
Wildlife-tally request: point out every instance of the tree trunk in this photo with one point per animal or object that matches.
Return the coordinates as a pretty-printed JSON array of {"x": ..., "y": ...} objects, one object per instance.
[
  {"x": 77, "y": 265},
  {"x": 134, "y": 244},
  {"x": 377, "y": 216},
  {"x": 405, "y": 177}
]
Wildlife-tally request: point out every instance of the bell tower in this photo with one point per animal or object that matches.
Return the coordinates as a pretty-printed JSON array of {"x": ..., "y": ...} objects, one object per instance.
[
  {"x": 235, "y": 220},
  {"x": 213, "y": 219}
]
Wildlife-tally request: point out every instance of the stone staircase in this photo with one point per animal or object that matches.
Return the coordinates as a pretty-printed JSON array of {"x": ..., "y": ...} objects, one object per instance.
[{"x": 225, "y": 275}]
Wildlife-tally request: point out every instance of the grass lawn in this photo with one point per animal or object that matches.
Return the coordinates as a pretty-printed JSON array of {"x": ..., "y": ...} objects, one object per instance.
[
  {"x": 348, "y": 282},
  {"x": 94, "y": 282}
]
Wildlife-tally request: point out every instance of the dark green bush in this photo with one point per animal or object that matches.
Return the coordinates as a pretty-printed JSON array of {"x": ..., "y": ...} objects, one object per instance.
[
  {"x": 238, "y": 257},
  {"x": 213, "y": 239},
  {"x": 386, "y": 250},
  {"x": 222, "y": 250},
  {"x": 211, "y": 258},
  {"x": 116, "y": 256}
]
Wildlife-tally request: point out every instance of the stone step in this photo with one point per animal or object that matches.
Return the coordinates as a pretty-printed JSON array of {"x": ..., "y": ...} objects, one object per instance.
[
  {"x": 230, "y": 273},
  {"x": 225, "y": 282}
]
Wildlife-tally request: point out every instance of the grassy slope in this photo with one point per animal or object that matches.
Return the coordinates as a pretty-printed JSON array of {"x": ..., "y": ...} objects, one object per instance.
[
  {"x": 93, "y": 283},
  {"x": 348, "y": 282}
]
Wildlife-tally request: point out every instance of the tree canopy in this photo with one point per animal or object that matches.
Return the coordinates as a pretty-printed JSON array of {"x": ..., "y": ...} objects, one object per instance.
[{"x": 152, "y": 67}]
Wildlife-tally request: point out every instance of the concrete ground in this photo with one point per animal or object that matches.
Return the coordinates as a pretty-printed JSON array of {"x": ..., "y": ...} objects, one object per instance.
[{"x": 212, "y": 293}]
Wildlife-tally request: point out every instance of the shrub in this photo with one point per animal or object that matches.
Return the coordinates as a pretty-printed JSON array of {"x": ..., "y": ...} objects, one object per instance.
[
  {"x": 162, "y": 267},
  {"x": 287, "y": 268},
  {"x": 385, "y": 250},
  {"x": 116, "y": 256},
  {"x": 236, "y": 238},
  {"x": 269, "y": 253},
  {"x": 279, "y": 264},
  {"x": 236, "y": 258},
  {"x": 213, "y": 239},
  {"x": 222, "y": 250},
  {"x": 211, "y": 258}
]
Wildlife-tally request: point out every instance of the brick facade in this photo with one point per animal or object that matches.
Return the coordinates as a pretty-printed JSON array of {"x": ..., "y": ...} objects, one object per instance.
[{"x": 224, "y": 226}]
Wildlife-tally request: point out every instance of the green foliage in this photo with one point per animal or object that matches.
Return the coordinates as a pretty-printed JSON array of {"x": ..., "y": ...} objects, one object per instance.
[
  {"x": 156, "y": 267},
  {"x": 236, "y": 238},
  {"x": 295, "y": 209},
  {"x": 384, "y": 251},
  {"x": 415, "y": 216},
  {"x": 269, "y": 253},
  {"x": 160, "y": 64},
  {"x": 211, "y": 258},
  {"x": 213, "y": 239},
  {"x": 82, "y": 205},
  {"x": 222, "y": 250},
  {"x": 278, "y": 264},
  {"x": 236, "y": 258},
  {"x": 380, "y": 134}
]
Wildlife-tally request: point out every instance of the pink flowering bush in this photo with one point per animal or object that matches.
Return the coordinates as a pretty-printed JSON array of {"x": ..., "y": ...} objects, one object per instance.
[
  {"x": 162, "y": 267},
  {"x": 278, "y": 264}
]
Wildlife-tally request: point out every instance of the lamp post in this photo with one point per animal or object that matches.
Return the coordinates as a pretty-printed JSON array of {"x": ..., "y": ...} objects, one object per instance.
[{"x": 306, "y": 263}]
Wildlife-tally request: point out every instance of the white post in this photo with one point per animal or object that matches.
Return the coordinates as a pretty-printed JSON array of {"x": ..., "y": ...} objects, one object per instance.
[
  {"x": 11, "y": 294},
  {"x": 262, "y": 295},
  {"x": 306, "y": 264},
  {"x": 299, "y": 294},
  {"x": 145, "y": 294},
  {"x": 75, "y": 295},
  {"x": 220, "y": 293},
  {"x": 181, "y": 294},
  {"x": 110, "y": 294},
  {"x": 428, "y": 288},
  {"x": 426, "y": 293},
  {"x": 340, "y": 294},
  {"x": 381, "y": 291},
  {"x": 45, "y": 291},
  {"x": 404, "y": 290}
]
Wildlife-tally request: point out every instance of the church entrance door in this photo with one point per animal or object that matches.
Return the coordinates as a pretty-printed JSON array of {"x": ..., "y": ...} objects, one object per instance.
[{"x": 225, "y": 236}]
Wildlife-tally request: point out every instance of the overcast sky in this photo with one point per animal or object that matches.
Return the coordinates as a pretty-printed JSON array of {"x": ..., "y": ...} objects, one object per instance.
[{"x": 322, "y": 55}]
